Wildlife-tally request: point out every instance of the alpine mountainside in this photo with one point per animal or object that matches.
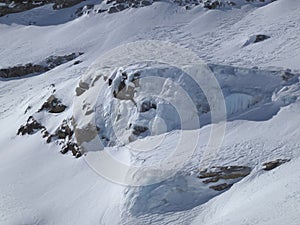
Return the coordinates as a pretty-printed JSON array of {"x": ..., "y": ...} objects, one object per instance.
[{"x": 149, "y": 112}]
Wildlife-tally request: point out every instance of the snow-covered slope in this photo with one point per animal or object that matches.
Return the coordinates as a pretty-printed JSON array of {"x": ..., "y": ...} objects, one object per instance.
[
  {"x": 252, "y": 51},
  {"x": 252, "y": 201}
]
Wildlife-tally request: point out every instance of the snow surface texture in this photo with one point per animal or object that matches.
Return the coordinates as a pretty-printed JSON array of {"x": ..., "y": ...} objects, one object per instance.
[{"x": 40, "y": 186}]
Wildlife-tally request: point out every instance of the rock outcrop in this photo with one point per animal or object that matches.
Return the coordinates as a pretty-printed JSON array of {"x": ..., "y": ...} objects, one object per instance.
[
  {"x": 15, "y": 6},
  {"x": 273, "y": 164},
  {"x": 219, "y": 174},
  {"x": 53, "y": 105},
  {"x": 256, "y": 38},
  {"x": 31, "y": 127},
  {"x": 44, "y": 66}
]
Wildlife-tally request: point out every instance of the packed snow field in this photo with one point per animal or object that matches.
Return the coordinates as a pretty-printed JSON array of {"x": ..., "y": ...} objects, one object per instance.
[{"x": 116, "y": 91}]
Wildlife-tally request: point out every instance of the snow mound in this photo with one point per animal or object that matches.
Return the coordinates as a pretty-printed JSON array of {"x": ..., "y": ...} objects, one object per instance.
[
  {"x": 151, "y": 98},
  {"x": 138, "y": 102}
]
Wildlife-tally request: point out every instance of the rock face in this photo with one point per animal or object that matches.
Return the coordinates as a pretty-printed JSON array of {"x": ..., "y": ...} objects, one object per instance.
[
  {"x": 138, "y": 130},
  {"x": 114, "y": 6},
  {"x": 230, "y": 174},
  {"x": 256, "y": 38},
  {"x": 53, "y": 105},
  {"x": 63, "y": 135},
  {"x": 120, "y": 5},
  {"x": 147, "y": 105},
  {"x": 221, "y": 187},
  {"x": 15, "y": 6},
  {"x": 30, "y": 68},
  {"x": 273, "y": 164},
  {"x": 261, "y": 37},
  {"x": 73, "y": 147},
  {"x": 31, "y": 127},
  {"x": 64, "y": 131},
  {"x": 20, "y": 70},
  {"x": 287, "y": 74}
]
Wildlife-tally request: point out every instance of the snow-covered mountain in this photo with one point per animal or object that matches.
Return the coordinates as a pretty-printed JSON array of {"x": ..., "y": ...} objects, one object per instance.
[{"x": 150, "y": 112}]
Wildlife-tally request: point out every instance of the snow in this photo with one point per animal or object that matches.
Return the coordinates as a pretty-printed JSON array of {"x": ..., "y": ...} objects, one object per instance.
[
  {"x": 259, "y": 204},
  {"x": 41, "y": 186}
]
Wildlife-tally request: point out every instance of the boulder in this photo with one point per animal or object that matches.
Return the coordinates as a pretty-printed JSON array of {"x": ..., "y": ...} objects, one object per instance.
[
  {"x": 53, "y": 105},
  {"x": 230, "y": 174},
  {"x": 145, "y": 3},
  {"x": 273, "y": 164},
  {"x": 64, "y": 131},
  {"x": 113, "y": 9},
  {"x": 261, "y": 37},
  {"x": 73, "y": 147},
  {"x": 30, "y": 127},
  {"x": 147, "y": 105},
  {"x": 221, "y": 187},
  {"x": 137, "y": 130}
]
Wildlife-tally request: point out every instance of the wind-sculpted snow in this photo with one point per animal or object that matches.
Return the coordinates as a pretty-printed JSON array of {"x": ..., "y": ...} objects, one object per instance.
[
  {"x": 259, "y": 101},
  {"x": 138, "y": 97},
  {"x": 128, "y": 94},
  {"x": 117, "y": 121}
]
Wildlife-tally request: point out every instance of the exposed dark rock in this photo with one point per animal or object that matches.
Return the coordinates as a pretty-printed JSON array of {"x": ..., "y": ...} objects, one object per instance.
[
  {"x": 77, "y": 62},
  {"x": 54, "y": 61},
  {"x": 120, "y": 7},
  {"x": 63, "y": 135},
  {"x": 256, "y": 38},
  {"x": 261, "y": 37},
  {"x": 46, "y": 65},
  {"x": 137, "y": 130},
  {"x": 147, "y": 105},
  {"x": 19, "y": 70},
  {"x": 231, "y": 174},
  {"x": 113, "y": 9},
  {"x": 31, "y": 127},
  {"x": 86, "y": 9},
  {"x": 211, "y": 180},
  {"x": 228, "y": 172},
  {"x": 27, "y": 109},
  {"x": 286, "y": 75},
  {"x": 73, "y": 147},
  {"x": 21, "y": 6},
  {"x": 101, "y": 10},
  {"x": 145, "y": 3},
  {"x": 206, "y": 174},
  {"x": 45, "y": 133},
  {"x": 113, "y": 5},
  {"x": 49, "y": 139},
  {"x": 64, "y": 131},
  {"x": 212, "y": 4},
  {"x": 53, "y": 105},
  {"x": 61, "y": 4},
  {"x": 221, "y": 187},
  {"x": 273, "y": 164}
]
